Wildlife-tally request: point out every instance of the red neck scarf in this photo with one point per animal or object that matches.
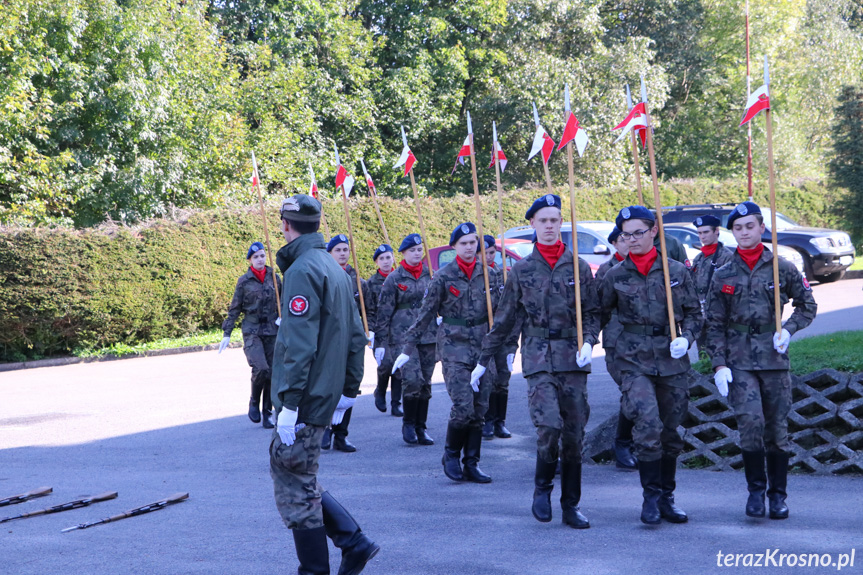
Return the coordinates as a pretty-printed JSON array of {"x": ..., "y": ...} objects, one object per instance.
[
  {"x": 415, "y": 271},
  {"x": 644, "y": 262},
  {"x": 618, "y": 257},
  {"x": 383, "y": 273},
  {"x": 709, "y": 250},
  {"x": 259, "y": 274},
  {"x": 551, "y": 253},
  {"x": 751, "y": 257},
  {"x": 465, "y": 267}
]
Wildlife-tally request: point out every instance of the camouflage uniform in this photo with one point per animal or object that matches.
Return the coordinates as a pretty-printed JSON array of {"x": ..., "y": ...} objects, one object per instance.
[
  {"x": 495, "y": 417},
  {"x": 702, "y": 271},
  {"x": 375, "y": 284},
  {"x": 256, "y": 300},
  {"x": 676, "y": 251}
]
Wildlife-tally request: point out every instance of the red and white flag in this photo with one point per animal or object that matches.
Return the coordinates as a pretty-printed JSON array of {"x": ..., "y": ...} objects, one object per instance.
[
  {"x": 372, "y": 190},
  {"x": 463, "y": 153},
  {"x": 635, "y": 120},
  {"x": 759, "y": 99},
  {"x": 572, "y": 130},
  {"x": 407, "y": 159},
  {"x": 313, "y": 188},
  {"x": 343, "y": 178},
  {"x": 501, "y": 157},
  {"x": 256, "y": 181},
  {"x": 542, "y": 142}
]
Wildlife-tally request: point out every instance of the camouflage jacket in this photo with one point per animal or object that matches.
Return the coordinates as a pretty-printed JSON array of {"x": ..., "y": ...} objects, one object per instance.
[
  {"x": 543, "y": 299},
  {"x": 462, "y": 306},
  {"x": 399, "y": 306},
  {"x": 703, "y": 264},
  {"x": 373, "y": 286},
  {"x": 611, "y": 327},
  {"x": 495, "y": 280},
  {"x": 256, "y": 300},
  {"x": 640, "y": 303},
  {"x": 740, "y": 314},
  {"x": 366, "y": 295},
  {"x": 676, "y": 251}
]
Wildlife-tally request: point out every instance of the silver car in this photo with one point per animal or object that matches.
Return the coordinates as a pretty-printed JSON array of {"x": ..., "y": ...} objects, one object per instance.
[{"x": 593, "y": 245}]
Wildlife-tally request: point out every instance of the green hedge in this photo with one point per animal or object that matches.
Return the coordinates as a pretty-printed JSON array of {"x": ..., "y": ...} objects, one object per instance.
[{"x": 63, "y": 290}]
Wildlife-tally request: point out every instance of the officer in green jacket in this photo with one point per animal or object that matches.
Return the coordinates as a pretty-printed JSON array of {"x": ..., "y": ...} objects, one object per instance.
[{"x": 312, "y": 386}]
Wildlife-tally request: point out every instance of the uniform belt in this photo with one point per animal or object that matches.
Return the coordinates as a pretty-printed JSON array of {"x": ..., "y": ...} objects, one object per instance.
[
  {"x": 545, "y": 333},
  {"x": 465, "y": 322},
  {"x": 406, "y": 306},
  {"x": 655, "y": 330},
  {"x": 752, "y": 329}
]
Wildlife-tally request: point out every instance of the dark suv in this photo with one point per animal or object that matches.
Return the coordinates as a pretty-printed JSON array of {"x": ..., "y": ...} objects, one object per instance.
[{"x": 826, "y": 253}]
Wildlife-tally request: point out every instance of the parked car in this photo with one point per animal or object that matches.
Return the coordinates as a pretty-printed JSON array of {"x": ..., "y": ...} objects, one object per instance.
[
  {"x": 826, "y": 253},
  {"x": 687, "y": 235},
  {"x": 515, "y": 250},
  {"x": 593, "y": 245}
]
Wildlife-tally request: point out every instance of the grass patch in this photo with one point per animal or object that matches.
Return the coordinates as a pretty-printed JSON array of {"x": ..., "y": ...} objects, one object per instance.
[
  {"x": 121, "y": 349},
  {"x": 857, "y": 265}
]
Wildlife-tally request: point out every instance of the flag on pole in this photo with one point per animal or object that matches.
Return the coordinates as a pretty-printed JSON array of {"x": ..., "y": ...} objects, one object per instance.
[
  {"x": 542, "y": 142},
  {"x": 572, "y": 131},
  {"x": 343, "y": 178},
  {"x": 313, "y": 188},
  {"x": 496, "y": 148},
  {"x": 464, "y": 152},
  {"x": 407, "y": 159},
  {"x": 635, "y": 120},
  {"x": 372, "y": 190},
  {"x": 256, "y": 181},
  {"x": 759, "y": 99}
]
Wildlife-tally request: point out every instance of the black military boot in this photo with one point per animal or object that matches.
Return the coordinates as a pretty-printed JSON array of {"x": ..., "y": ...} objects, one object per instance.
[
  {"x": 756, "y": 481},
  {"x": 570, "y": 495},
  {"x": 667, "y": 509},
  {"x": 500, "y": 429},
  {"x": 777, "y": 479},
  {"x": 409, "y": 421},
  {"x": 623, "y": 457},
  {"x": 380, "y": 392},
  {"x": 543, "y": 484},
  {"x": 254, "y": 411},
  {"x": 650, "y": 473},
  {"x": 472, "y": 447},
  {"x": 423, "y": 438},
  {"x": 357, "y": 548},
  {"x": 327, "y": 438},
  {"x": 490, "y": 417},
  {"x": 312, "y": 551},
  {"x": 340, "y": 434},
  {"x": 267, "y": 419},
  {"x": 396, "y": 395},
  {"x": 455, "y": 440}
]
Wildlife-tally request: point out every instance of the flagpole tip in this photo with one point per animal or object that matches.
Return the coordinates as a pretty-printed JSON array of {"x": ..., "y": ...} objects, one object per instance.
[
  {"x": 469, "y": 124},
  {"x": 566, "y": 106},
  {"x": 535, "y": 114}
]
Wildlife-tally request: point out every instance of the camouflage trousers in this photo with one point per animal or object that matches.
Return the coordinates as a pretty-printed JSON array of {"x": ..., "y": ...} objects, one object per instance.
[
  {"x": 559, "y": 410},
  {"x": 656, "y": 404},
  {"x": 761, "y": 402},
  {"x": 468, "y": 408},
  {"x": 613, "y": 366},
  {"x": 500, "y": 383},
  {"x": 385, "y": 369},
  {"x": 417, "y": 372},
  {"x": 294, "y": 469},
  {"x": 259, "y": 355}
]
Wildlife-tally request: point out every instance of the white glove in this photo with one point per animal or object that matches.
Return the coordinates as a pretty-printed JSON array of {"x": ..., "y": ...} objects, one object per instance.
[
  {"x": 679, "y": 347},
  {"x": 510, "y": 360},
  {"x": 224, "y": 343},
  {"x": 285, "y": 425},
  {"x": 344, "y": 404},
  {"x": 371, "y": 338},
  {"x": 722, "y": 378},
  {"x": 781, "y": 341},
  {"x": 278, "y": 321},
  {"x": 400, "y": 361},
  {"x": 439, "y": 320},
  {"x": 477, "y": 373},
  {"x": 379, "y": 355},
  {"x": 584, "y": 356}
]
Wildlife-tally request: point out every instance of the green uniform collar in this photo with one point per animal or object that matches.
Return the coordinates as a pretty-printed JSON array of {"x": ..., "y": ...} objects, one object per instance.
[{"x": 289, "y": 253}]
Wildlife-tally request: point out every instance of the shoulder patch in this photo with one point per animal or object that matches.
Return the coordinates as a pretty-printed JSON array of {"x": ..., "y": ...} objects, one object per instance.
[
  {"x": 806, "y": 285},
  {"x": 299, "y": 305},
  {"x": 688, "y": 264},
  {"x": 674, "y": 283}
]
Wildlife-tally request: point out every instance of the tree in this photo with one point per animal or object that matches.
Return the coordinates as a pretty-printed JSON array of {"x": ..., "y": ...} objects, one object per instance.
[{"x": 847, "y": 163}]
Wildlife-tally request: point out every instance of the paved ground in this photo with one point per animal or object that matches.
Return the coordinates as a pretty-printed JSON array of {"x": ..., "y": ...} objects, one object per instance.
[{"x": 151, "y": 427}]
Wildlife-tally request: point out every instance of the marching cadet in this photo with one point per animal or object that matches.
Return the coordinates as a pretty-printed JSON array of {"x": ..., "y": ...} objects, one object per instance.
[
  {"x": 750, "y": 360},
  {"x": 610, "y": 332},
  {"x": 495, "y": 417},
  {"x": 676, "y": 251},
  {"x": 457, "y": 294},
  {"x": 313, "y": 386},
  {"x": 398, "y": 309},
  {"x": 713, "y": 256},
  {"x": 383, "y": 258},
  {"x": 255, "y": 298},
  {"x": 652, "y": 359},
  {"x": 540, "y": 293}
]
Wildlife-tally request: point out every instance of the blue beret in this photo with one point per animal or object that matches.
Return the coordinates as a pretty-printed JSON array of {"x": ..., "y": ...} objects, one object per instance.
[
  {"x": 254, "y": 248},
  {"x": 489, "y": 241},
  {"x": 336, "y": 240},
  {"x": 546, "y": 201},
  {"x": 461, "y": 230},
  {"x": 410, "y": 241},
  {"x": 382, "y": 249},
  {"x": 633, "y": 213},
  {"x": 615, "y": 233},
  {"x": 744, "y": 209},
  {"x": 712, "y": 221}
]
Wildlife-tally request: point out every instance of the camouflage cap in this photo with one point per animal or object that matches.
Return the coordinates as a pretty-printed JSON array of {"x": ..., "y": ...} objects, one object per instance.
[{"x": 301, "y": 208}]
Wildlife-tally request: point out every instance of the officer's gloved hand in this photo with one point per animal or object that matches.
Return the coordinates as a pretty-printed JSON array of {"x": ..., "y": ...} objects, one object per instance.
[
  {"x": 285, "y": 425},
  {"x": 345, "y": 403},
  {"x": 585, "y": 355},
  {"x": 679, "y": 347},
  {"x": 224, "y": 343},
  {"x": 379, "y": 355},
  {"x": 722, "y": 378},
  {"x": 371, "y": 338},
  {"x": 510, "y": 360},
  {"x": 439, "y": 320},
  {"x": 781, "y": 341},
  {"x": 400, "y": 361},
  {"x": 278, "y": 321},
  {"x": 477, "y": 373}
]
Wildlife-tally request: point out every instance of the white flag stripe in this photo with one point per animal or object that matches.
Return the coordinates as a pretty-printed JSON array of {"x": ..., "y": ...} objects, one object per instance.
[
  {"x": 403, "y": 158},
  {"x": 753, "y": 98},
  {"x": 538, "y": 141}
]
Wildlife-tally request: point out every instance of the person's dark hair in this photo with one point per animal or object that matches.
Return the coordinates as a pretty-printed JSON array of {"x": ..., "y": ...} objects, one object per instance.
[
  {"x": 304, "y": 227},
  {"x": 760, "y": 219},
  {"x": 648, "y": 223}
]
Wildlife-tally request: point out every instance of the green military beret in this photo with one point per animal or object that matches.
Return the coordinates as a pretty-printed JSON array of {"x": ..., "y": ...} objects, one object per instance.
[{"x": 301, "y": 208}]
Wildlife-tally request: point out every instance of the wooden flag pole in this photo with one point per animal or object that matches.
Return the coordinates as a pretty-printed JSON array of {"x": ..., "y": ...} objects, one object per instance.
[
  {"x": 499, "y": 201},
  {"x": 575, "y": 270},
  {"x": 672, "y": 325},
  {"x": 748, "y": 124},
  {"x": 772, "y": 185},
  {"x": 354, "y": 257},
  {"x": 373, "y": 192},
  {"x": 637, "y": 168},
  {"x": 479, "y": 229},
  {"x": 257, "y": 182},
  {"x": 324, "y": 218},
  {"x": 422, "y": 225}
]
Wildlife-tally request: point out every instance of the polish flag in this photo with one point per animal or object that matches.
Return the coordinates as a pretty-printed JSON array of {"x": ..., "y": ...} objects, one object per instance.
[
  {"x": 542, "y": 142},
  {"x": 256, "y": 181},
  {"x": 463, "y": 153},
  {"x": 343, "y": 178},
  {"x": 635, "y": 120},
  {"x": 372, "y": 190},
  {"x": 500, "y": 156},
  {"x": 313, "y": 188},
  {"x": 758, "y": 101},
  {"x": 573, "y": 131},
  {"x": 407, "y": 159}
]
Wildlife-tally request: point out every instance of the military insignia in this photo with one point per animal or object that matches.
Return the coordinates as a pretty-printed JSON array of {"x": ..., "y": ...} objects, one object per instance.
[
  {"x": 418, "y": 240},
  {"x": 572, "y": 282},
  {"x": 549, "y": 199},
  {"x": 675, "y": 283},
  {"x": 500, "y": 289},
  {"x": 728, "y": 289},
  {"x": 625, "y": 213},
  {"x": 806, "y": 285},
  {"x": 742, "y": 210},
  {"x": 382, "y": 247},
  {"x": 343, "y": 238},
  {"x": 402, "y": 287},
  {"x": 290, "y": 205},
  {"x": 688, "y": 264},
  {"x": 465, "y": 229},
  {"x": 698, "y": 222},
  {"x": 299, "y": 305},
  {"x": 454, "y": 291}
]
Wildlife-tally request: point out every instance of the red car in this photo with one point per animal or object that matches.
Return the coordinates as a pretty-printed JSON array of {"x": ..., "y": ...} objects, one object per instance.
[{"x": 516, "y": 249}]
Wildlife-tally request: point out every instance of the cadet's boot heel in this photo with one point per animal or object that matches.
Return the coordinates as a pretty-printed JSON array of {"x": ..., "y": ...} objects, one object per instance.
[
  {"x": 473, "y": 444},
  {"x": 777, "y": 476},
  {"x": 756, "y": 482},
  {"x": 667, "y": 509},
  {"x": 650, "y": 473},
  {"x": 570, "y": 495},
  {"x": 543, "y": 481},
  {"x": 455, "y": 438},
  {"x": 342, "y": 528}
]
